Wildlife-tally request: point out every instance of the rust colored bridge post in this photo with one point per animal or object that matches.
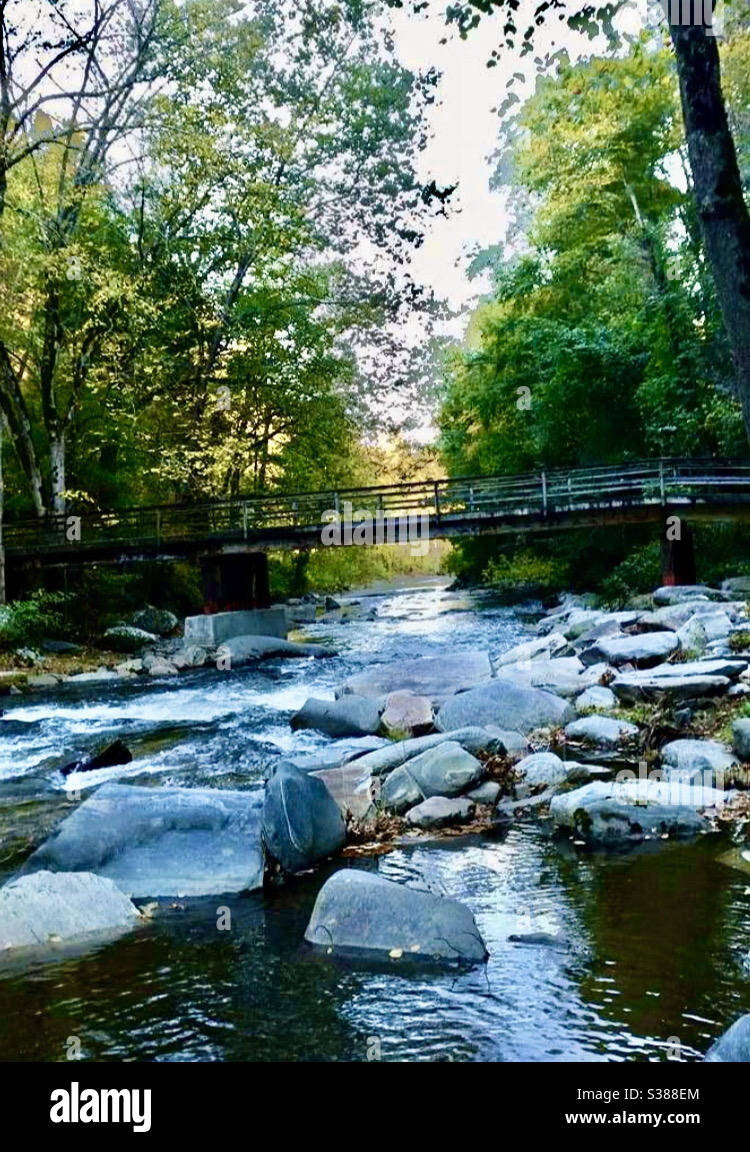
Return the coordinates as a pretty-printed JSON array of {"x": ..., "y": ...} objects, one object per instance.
[
  {"x": 677, "y": 555},
  {"x": 235, "y": 582}
]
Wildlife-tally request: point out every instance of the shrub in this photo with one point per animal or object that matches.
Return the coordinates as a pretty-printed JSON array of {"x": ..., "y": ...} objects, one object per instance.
[
  {"x": 526, "y": 572},
  {"x": 638, "y": 572},
  {"x": 29, "y": 621}
]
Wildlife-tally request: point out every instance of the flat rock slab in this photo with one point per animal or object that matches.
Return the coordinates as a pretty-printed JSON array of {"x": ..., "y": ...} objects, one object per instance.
[
  {"x": 612, "y": 813},
  {"x": 436, "y": 677},
  {"x": 634, "y": 686},
  {"x": 645, "y": 649},
  {"x": 406, "y": 714},
  {"x": 349, "y": 716},
  {"x": 438, "y": 811},
  {"x": 335, "y": 755},
  {"x": 507, "y": 705},
  {"x": 361, "y": 914},
  {"x": 47, "y": 908},
  {"x": 302, "y": 823},
  {"x": 674, "y": 593},
  {"x": 601, "y": 731},
  {"x": 538, "y": 647},
  {"x": 161, "y": 841}
]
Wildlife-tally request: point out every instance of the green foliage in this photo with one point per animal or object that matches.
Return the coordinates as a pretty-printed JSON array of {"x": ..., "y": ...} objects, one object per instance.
[
  {"x": 640, "y": 571},
  {"x": 525, "y": 572},
  {"x": 26, "y": 622}
]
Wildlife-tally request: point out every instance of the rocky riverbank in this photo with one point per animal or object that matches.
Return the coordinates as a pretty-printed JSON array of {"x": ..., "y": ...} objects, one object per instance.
[{"x": 607, "y": 728}]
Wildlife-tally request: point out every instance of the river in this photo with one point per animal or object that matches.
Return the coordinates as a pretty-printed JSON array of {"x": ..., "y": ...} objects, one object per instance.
[{"x": 658, "y": 935}]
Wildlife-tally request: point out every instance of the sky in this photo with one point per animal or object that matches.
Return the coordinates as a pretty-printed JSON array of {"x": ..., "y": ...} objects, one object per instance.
[{"x": 464, "y": 134}]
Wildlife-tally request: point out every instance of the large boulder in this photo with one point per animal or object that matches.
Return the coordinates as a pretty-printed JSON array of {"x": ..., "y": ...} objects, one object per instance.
[
  {"x": 362, "y": 914},
  {"x": 471, "y": 739},
  {"x": 161, "y": 841},
  {"x": 436, "y": 677},
  {"x": 124, "y": 638},
  {"x": 565, "y": 676},
  {"x": 618, "y": 812},
  {"x": 249, "y": 649},
  {"x": 437, "y": 811},
  {"x": 158, "y": 620},
  {"x": 698, "y": 761},
  {"x": 47, "y": 908},
  {"x": 302, "y": 823},
  {"x": 406, "y": 715},
  {"x": 508, "y": 705},
  {"x": 446, "y": 770},
  {"x": 349, "y": 716},
  {"x": 733, "y": 1046},
  {"x": 644, "y": 650},
  {"x": 601, "y": 731}
]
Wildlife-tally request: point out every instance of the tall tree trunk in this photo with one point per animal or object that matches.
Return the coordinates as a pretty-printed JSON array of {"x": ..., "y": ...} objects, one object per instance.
[
  {"x": 57, "y": 467},
  {"x": 722, "y": 212}
]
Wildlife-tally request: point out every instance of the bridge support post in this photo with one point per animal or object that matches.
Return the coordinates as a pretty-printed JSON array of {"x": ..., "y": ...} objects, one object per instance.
[
  {"x": 677, "y": 552},
  {"x": 236, "y": 582}
]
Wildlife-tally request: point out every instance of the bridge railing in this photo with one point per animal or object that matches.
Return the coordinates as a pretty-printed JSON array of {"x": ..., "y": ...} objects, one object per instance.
[{"x": 532, "y": 494}]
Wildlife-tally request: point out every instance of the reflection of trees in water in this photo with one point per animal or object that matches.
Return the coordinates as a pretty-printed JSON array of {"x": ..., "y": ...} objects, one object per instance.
[{"x": 657, "y": 919}]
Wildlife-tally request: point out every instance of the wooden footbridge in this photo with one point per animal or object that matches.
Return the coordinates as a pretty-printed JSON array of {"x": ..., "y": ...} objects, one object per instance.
[{"x": 538, "y": 503}]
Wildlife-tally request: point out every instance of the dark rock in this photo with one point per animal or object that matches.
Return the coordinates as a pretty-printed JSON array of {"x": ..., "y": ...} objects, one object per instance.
[
  {"x": 349, "y": 716},
  {"x": 302, "y": 823},
  {"x": 59, "y": 646},
  {"x": 109, "y": 757},
  {"x": 158, "y": 620},
  {"x": 361, "y": 914}
]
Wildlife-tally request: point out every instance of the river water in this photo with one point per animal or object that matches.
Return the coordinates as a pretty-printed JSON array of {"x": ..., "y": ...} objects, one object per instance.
[{"x": 658, "y": 936}]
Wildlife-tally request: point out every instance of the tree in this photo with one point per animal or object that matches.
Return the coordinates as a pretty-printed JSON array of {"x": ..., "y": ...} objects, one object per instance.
[{"x": 717, "y": 188}]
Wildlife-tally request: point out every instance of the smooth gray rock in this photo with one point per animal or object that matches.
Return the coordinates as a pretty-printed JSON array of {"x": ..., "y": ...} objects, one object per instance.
[
  {"x": 239, "y": 650},
  {"x": 617, "y": 812},
  {"x": 512, "y": 744},
  {"x": 602, "y": 731},
  {"x": 471, "y": 739},
  {"x": 675, "y": 593},
  {"x": 334, "y": 755},
  {"x": 446, "y": 770},
  {"x": 406, "y": 714},
  {"x": 596, "y": 697},
  {"x": 692, "y": 637},
  {"x": 349, "y": 716},
  {"x": 361, "y": 913},
  {"x": 646, "y": 649},
  {"x": 540, "y": 646},
  {"x": 161, "y": 841},
  {"x": 580, "y": 621},
  {"x": 351, "y": 788},
  {"x": 736, "y": 585},
  {"x": 506, "y": 704},
  {"x": 540, "y": 769},
  {"x": 436, "y": 677},
  {"x": 47, "y": 908},
  {"x": 634, "y": 686},
  {"x": 733, "y": 1046},
  {"x": 564, "y": 676},
  {"x": 124, "y": 638},
  {"x": 698, "y": 761},
  {"x": 191, "y": 656},
  {"x": 160, "y": 621},
  {"x": 486, "y": 793},
  {"x": 302, "y": 823},
  {"x": 437, "y": 811}
]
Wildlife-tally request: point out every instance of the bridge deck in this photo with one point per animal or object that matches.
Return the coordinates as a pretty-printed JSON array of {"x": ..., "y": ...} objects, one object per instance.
[{"x": 532, "y": 502}]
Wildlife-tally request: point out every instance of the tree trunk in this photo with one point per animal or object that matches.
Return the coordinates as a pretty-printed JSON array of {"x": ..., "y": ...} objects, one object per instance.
[
  {"x": 722, "y": 212},
  {"x": 57, "y": 466}
]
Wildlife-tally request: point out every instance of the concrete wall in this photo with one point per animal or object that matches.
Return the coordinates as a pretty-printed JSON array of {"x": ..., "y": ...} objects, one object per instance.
[{"x": 221, "y": 626}]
